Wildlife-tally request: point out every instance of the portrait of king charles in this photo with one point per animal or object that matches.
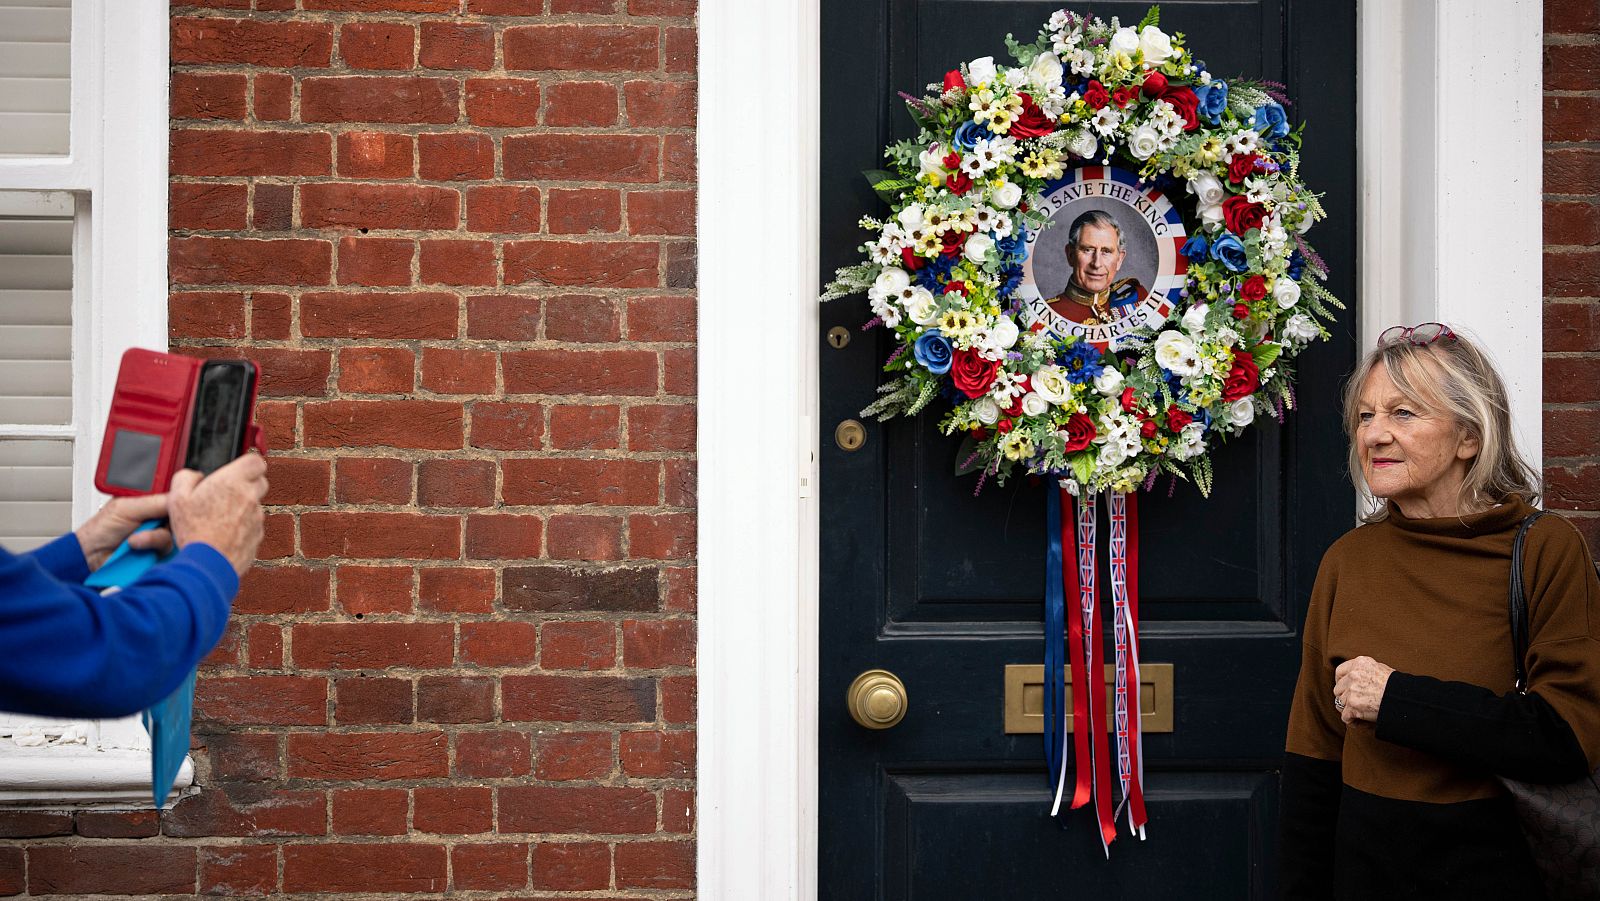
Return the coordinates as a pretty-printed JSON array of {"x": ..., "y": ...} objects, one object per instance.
[{"x": 1095, "y": 251}]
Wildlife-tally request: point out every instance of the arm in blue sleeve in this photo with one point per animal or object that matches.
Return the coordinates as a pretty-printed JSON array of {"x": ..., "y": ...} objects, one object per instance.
[
  {"x": 62, "y": 558},
  {"x": 67, "y": 651}
]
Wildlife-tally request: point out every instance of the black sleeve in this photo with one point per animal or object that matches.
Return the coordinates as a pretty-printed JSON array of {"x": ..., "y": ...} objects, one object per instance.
[
  {"x": 1515, "y": 735},
  {"x": 1307, "y": 820}
]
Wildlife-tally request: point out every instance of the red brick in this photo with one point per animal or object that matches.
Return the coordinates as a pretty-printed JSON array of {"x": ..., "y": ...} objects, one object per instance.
[
  {"x": 565, "y": 756},
  {"x": 333, "y": 205},
  {"x": 591, "y": 264},
  {"x": 580, "y": 645},
  {"x": 447, "y": 370},
  {"x": 374, "y": 154},
  {"x": 269, "y": 318},
  {"x": 1571, "y": 327},
  {"x": 507, "y": 426},
  {"x": 370, "y": 811},
  {"x": 571, "y": 866},
  {"x": 376, "y": 45},
  {"x": 206, "y": 206},
  {"x": 661, "y": 865},
  {"x": 200, "y": 260},
  {"x": 272, "y": 209},
  {"x": 584, "y": 428},
  {"x": 209, "y": 314},
  {"x": 581, "y": 103},
  {"x": 661, "y": 213},
  {"x": 681, "y": 46},
  {"x": 117, "y": 823},
  {"x": 506, "y": 7},
  {"x": 555, "y": 588},
  {"x": 680, "y": 367},
  {"x": 1573, "y": 273},
  {"x": 375, "y": 262},
  {"x": 1571, "y": 67},
  {"x": 585, "y": 211},
  {"x": 361, "y": 700},
  {"x": 661, "y": 319},
  {"x": 372, "y": 480},
  {"x": 451, "y": 45},
  {"x": 584, "y": 157},
  {"x": 455, "y": 262},
  {"x": 582, "y": 537},
  {"x": 379, "y": 6},
  {"x": 681, "y": 264},
  {"x": 262, "y": 700},
  {"x": 503, "y": 317},
  {"x": 1572, "y": 488},
  {"x": 375, "y": 589},
  {"x": 277, "y": 539},
  {"x": 503, "y": 536},
  {"x": 266, "y": 646},
  {"x": 662, "y": 428},
  {"x": 380, "y": 535},
  {"x": 35, "y": 823},
  {"x": 235, "y": 153},
  {"x": 578, "y": 699},
  {"x": 228, "y": 651},
  {"x": 654, "y": 644},
  {"x": 489, "y": 755},
  {"x": 287, "y": 372},
  {"x": 376, "y": 370},
  {"x": 102, "y": 869},
  {"x": 375, "y": 645},
  {"x": 386, "y": 867},
  {"x": 1571, "y": 222},
  {"x": 196, "y": 96},
  {"x": 489, "y": 867},
  {"x": 682, "y": 588},
  {"x": 368, "y": 756},
  {"x": 276, "y": 590},
  {"x": 498, "y": 643},
  {"x": 678, "y": 699},
  {"x": 457, "y": 156},
  {"x": 239, "y": 871},
  {"x": 1571, "y": 433},
  {"x": 1571, "y": 17},
  {"x": 504, "y": 209},
  {"x": 661, "y": 7},
  {"x": 453, "y": 810},
  {"x": 243, "y": 756},
  {"x": 456, "y": 590},
  {"x": 661, "y": 536},
  {"x": 655, "y": 104},
  {"x": 591, "y": 810},
  {"x": 248, "y": 812},
  {"x": 502, "y": 102},
  {"x": 1571, "y": 118},
  {"x": 677, "y": 810},
  {"x": 423, "y": 424},
  {"x": 568, "y": 481},
  {"x": 298, "y": 481},
  {"x": 251, "y": 42},
  {"x": 1571, "y": 170},
  {"x": 273, "y": 99},
  {"x": 453, "y": 699},
  {"x": 608, "y": 372},
  {"x": 455, "y": 483},
  {"x": 396, "y": 99},
  {"x": 583, "y": 7},
  {"x": 679, "y": 162},
  {"x": 586, "y": 48}
]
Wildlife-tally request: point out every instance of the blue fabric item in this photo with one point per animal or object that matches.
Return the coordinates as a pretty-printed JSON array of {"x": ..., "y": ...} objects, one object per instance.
[
  {"x": 67, "y": 651},
  {"x": 1055, "y": 641}
]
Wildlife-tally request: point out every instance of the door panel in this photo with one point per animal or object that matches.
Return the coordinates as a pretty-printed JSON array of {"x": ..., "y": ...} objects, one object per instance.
[{"x": 944, "y": 589}]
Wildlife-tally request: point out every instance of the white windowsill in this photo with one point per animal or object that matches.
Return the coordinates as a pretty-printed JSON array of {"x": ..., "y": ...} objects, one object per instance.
[{"x": 61, "y": 776}]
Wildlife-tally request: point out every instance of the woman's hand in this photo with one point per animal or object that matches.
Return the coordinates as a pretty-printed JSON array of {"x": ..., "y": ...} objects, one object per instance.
[{"x": 1358, "y": 689}]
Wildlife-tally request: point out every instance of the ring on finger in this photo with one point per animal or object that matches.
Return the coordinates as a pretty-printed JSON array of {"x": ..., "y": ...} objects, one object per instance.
[{"x": 1338, "y": 704}]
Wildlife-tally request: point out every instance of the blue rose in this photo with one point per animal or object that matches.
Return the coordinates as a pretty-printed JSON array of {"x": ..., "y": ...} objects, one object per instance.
[
  {"x": 1297, "y": 265},
  {"x": 1229, "y": 251},
  {"x": 1195, "y": 247},
  {"x": 1081, "y": 362},
  {"x": 933, "y": 351},
  {"x": 1213, "y": 99},
  {"x": 1270, "y": 120},
  {"x": 969, "y": 134}
]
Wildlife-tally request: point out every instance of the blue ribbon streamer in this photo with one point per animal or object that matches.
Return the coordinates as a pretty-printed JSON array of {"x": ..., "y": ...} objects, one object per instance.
[
  {"x": 168, "y": 721},
  {"x": 1055, "y": 642}
]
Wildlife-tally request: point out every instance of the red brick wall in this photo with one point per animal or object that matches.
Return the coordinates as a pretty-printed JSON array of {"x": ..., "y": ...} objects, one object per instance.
[
  {"x": 1572, "y": 261},
  {"x": 459, "y": 237}
]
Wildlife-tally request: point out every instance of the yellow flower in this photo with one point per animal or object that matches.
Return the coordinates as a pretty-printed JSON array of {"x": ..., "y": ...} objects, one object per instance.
[
  {"x": 928, "y": 243},
  {"x": 957, "y": 323},
  {"x": 1210, "y": 150}
]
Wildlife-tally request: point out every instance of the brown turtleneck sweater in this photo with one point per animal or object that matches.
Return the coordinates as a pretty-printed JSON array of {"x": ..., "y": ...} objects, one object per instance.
[{"x": 1409, "y": 807}]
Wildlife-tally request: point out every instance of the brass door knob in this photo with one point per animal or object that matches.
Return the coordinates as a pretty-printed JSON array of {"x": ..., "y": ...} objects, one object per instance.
[{"x": 877, "y": 699}]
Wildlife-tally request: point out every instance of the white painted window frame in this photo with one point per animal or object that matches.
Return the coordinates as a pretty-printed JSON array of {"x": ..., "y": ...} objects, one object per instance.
[
  {"x": 758, "y": 516},
  {"x": 116, "y": 170}
]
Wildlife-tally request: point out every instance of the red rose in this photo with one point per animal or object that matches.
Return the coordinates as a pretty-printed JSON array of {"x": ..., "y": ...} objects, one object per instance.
[
  {"x": 1241, "y": 215},
  {"x": 912, "y": 261},
  {"x": 952, "y": 160},
  {"x": 1004, "y": 426},
  {"x": 1154, "y": 84},
  {"x": 1016, "y": 407},
  {"x": 1033, "y": 123},
  {"x": 1240, "y": 168},
  {"x": 1241, "y": 310},
  {"x": 958, "y": 183},
  {"x": 953, "y": 80},
  {"x": 978, "y": 432},
  {"x": 1183, "y": 100},
  {"x": 972, "y": 374},
  {"x": 1177, "y": 419},
  {"x": 1125, "y": 95},
  {"x": 1254, "y": 288},
  {"x": 1243, "y": 379},
  {"x": 952, "y": 244},
  {"x": 1080, "y": 432},
  {"x": 1147, "y": 429},
  {"x": 1095, "y": 95},
  {"x": 1127, "y": 400},
  {"x": 956, "y": 287}
]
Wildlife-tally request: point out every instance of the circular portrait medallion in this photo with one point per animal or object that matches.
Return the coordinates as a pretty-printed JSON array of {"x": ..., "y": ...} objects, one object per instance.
[{"x": 1107, "y": 261}]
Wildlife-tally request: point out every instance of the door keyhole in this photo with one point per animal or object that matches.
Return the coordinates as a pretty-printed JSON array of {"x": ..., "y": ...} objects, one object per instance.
[{"x": 838, "y": 336}]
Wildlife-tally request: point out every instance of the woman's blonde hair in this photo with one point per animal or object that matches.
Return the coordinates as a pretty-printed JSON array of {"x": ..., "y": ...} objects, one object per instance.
[{"x": 1452, "y": 376}]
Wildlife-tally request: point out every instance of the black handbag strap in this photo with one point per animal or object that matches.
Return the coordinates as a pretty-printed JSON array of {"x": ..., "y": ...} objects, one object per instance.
[{"x": 1519, "y": 604}]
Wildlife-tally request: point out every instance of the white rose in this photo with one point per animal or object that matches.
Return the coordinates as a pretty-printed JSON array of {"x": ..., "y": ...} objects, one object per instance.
[
  {"x": 1305, "y": 224},
  {"x": 985, "y": 410},
  {"x": 1083, "y": 144},
  {"x": 930, "y": 162},
  {"x": 892, "y": 280},
  {"x": 1211, "y": 218},
  {"x": 1156, "y": 45},
  {"x": 1286, "y": 291},
  {"x": 1108, "y": 382},
  {"x": 921, "y": 308},
  {"x": 978, "y": 246},
  {"x": 1242, "y": 412},
  {"x": 1112, "y": 453},
  {"x": 980, "y": 71},
  {"x": 1144, "y": 141},
  {"x": 1176, "y": 353},
  {"x": 1206, "y": 188},
  {"x": 1126, "y": 40},
  {"x": 1034, "y": 405},
  {"x": 1300, "y": 327},
  {"x": 1050, "y": 383},
  {"x": 1007, "y": 195},
  {"x": 911, "y": 216},
  {"x": 1194, "y": 319},
  {"x": 1045, "y": 71},
  {"x": 1004, "y": 333}
]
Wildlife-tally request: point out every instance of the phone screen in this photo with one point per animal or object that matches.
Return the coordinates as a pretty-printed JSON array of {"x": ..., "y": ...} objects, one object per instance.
[{"x": 221, "y": 411}]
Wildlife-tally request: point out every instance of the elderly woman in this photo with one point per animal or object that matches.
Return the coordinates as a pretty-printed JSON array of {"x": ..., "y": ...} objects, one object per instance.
[{"x": 1405, "y": 710}]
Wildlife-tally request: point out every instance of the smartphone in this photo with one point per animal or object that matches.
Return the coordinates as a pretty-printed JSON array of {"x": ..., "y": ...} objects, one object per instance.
[{"x": 223, "y": 396}]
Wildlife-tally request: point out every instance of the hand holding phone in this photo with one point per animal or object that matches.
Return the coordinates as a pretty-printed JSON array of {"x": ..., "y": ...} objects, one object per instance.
[{"x": 222, "y": 510}]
